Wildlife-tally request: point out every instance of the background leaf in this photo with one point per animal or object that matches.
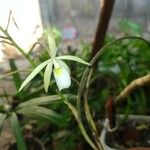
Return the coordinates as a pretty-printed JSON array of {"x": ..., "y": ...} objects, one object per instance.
[
  {"x": 16, "y": 77},
  {"x": 43, "y": 113},
  {"x": 39, "y": 101},
  {"x": 17, "y": 132}
]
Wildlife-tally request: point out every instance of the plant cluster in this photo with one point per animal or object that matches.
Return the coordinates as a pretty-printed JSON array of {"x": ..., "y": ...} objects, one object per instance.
[{"x": 43, "y": 117}]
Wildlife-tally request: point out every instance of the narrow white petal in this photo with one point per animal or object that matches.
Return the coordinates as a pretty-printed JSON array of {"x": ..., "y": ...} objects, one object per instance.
[
  {"x": 47, "y": 75},
  {"x": 34, "y": 73},
  {"x": 73, "y": 58},
  {"x": 51, "y": 43},
  {"x": 62, "y": 78}
]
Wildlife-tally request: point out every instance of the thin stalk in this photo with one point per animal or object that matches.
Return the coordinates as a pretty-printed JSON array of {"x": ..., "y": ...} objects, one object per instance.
[
  {"x": 6, "y": 96},
  {"x": 101, "y": 75},
  {"x": 3, "y": 37},
  {"x": 91, "y": 122},
  {"x": 75, "y": 80},
  {"x": 13, "y": 72},
  {"x": 6, "y": 43},
  {"x": 37, "y": 43},
  {"x": 11, "y": 17},
  {"x": 80, "y": 124},
  {"x": 88, "y": 113},
  {"x": 79, "y": 121},
  {"x": 18, "y": 47},
  {"x": 86, "y": 106},
  {"x": 10, "y": 13}
]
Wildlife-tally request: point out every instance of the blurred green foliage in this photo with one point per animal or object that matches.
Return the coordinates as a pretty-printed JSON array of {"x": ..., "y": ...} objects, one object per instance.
[{"x": 130, "y": 27}]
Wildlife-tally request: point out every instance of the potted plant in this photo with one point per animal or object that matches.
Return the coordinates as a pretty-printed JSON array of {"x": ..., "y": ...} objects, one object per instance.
[{"x": 84, "y": 91}]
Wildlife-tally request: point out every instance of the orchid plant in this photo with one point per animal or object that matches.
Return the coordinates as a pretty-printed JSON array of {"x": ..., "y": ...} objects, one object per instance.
[
  {"x": 61, "y": 72},
  {"x": 54, "y": 65}
]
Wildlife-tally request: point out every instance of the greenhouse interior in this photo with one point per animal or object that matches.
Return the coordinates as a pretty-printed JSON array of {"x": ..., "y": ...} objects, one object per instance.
[{"x": 75, "y": 75}]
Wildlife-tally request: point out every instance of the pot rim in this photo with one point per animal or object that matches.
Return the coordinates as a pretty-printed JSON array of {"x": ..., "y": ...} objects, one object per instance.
[{"x": 119, "y": 116}]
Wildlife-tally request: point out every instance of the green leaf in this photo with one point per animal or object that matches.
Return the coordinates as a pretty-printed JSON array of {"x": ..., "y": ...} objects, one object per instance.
[
  {"x": 34, "y": 73},
  {"x": 42, "y": 113},
  {"x": 73, "y": 58},
  {"x": 16, "y": 77},
  {"x": 39, "y": 101},
  {"x": 47, "y": 75},
  {"x": 17, "y": 132}
]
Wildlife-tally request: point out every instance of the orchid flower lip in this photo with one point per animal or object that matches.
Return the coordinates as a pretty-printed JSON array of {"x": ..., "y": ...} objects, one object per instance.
[{"x": 62, "y": 77}]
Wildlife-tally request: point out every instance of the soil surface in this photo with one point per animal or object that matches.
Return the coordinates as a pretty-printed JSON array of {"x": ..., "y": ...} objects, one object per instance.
[{"x": 131, "y": 134}]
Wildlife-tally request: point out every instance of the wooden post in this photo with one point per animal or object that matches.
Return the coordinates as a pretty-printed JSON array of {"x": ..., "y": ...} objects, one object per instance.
[{"x": 105, "y": 14}]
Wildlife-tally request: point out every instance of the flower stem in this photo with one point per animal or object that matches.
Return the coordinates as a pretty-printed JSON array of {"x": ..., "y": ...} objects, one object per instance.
[{"x": 79, "y": 121}]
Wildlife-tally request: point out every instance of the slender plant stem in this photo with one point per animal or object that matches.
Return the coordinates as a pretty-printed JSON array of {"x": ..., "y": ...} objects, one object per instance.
[
  {"x": 79, "y": 121},
  {"x": 86, "y": 106},
  {"x": 91, "y": 122},
  {"x": 3, "y": 37},
  {"x": 18, "y": 47},
  {"x": 37, "y": 43},
  {"x": 6, "y": 43},
  {"x": 88, "y": 113},
  {"x": 13, "y": 72},
  {"x": 80, "y": 124},
  {"x": 75, "y": 80},
  {"x": 101, "y": 75}
]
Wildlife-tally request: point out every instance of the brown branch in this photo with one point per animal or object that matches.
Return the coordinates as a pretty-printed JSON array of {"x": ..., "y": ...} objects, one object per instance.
[
  {"x": 105, "y": 14},
  {"x": 111, "y": 112},
  {"x": 132, "y": 86}
]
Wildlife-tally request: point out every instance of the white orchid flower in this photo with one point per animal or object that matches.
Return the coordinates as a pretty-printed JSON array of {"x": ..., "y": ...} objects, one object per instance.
[{"x": 55, "y": 64}]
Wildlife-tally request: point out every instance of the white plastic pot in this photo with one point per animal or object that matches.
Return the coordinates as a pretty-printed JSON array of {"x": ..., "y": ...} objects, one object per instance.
[{"x": 119, "y": 118}]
